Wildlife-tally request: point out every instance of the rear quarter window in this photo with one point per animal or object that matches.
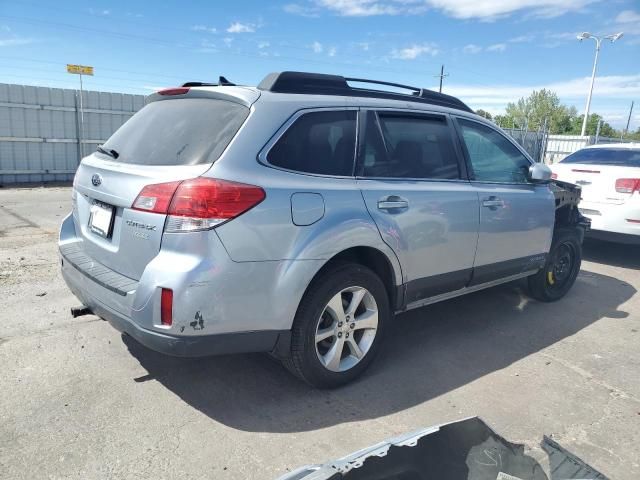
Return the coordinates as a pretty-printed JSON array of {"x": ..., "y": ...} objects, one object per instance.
[
  {"x": 186, "y": 131},
  {"x": 318, "y": 142}
]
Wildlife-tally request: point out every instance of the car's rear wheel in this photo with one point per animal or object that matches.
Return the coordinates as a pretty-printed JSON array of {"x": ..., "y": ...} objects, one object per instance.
[
  {"x": 561, "y": 268},
  {"x": 338, "y": 326}
]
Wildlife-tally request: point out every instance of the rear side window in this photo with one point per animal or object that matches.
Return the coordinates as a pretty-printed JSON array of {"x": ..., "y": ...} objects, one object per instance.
[
  {"x": 621, "y": 157},
  {"x": 318, "y": 142},
  {"x": 408, "y": 146},
  {"x": 185, "y": 131}
]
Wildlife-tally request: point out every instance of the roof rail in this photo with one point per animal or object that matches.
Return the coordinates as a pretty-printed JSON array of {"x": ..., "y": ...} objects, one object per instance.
[
  {"x": 222, "y": 82},
  {"x": 323, "y": 84}
]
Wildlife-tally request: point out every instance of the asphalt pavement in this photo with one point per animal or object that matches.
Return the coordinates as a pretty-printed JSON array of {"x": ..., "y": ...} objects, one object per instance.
[{"x": 79, "y": 401}]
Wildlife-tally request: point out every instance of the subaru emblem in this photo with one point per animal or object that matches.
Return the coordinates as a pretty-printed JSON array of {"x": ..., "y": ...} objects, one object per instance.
[{"x": 96, "y": 179}]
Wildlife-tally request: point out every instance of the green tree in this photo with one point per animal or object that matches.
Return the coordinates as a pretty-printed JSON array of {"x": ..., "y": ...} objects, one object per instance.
[
  {"x": 540, "y": 105},
  {"x": 633, "y": 135},
  {"x": 484, "y": 113},
  {"x": 606, "y": 130}
]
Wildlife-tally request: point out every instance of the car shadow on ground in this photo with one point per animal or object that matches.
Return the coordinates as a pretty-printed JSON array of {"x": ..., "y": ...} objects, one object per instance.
[
  {"x": 611, "y": 253},
  {"x": 428, "y": 352}
]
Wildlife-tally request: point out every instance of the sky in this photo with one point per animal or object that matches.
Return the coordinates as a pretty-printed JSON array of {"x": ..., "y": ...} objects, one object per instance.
[{"x": 493, "y": 51}]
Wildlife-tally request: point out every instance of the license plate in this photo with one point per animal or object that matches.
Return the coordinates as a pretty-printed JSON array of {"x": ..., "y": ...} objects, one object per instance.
[{"x": 101, "y": 219}]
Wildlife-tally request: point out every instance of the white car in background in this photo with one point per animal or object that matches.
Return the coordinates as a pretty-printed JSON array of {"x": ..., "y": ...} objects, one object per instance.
[{"x": 609, "y": 175}]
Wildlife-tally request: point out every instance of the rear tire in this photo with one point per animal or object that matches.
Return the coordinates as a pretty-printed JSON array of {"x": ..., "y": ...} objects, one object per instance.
[
  {"x": 338, "y": 327},
  {"x": 561, "y": 268}
]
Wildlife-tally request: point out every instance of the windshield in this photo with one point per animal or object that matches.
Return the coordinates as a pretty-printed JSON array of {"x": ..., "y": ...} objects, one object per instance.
[
  {"x": 623, "y": 157},
  {"x": 185, "y": 131}
]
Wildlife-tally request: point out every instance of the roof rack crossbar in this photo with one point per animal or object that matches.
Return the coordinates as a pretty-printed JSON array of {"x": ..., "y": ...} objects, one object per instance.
[{"x": 322, "y": 84}]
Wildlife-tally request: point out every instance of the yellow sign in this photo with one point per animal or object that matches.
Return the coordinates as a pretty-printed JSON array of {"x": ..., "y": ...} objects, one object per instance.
[{"x": 80, "y": 69}]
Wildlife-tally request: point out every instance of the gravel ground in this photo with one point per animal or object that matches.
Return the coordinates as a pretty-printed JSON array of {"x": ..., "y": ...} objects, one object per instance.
[{"x": 79, "y": 401}]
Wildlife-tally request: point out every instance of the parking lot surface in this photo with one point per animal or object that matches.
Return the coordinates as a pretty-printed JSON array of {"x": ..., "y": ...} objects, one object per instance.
[{"x": 78, "y": 400}]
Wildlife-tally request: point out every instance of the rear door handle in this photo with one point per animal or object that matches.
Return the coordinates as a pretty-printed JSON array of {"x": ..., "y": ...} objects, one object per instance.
[
  {"x": 392, "y": 202},
  {"x": 493, "y": 202}
]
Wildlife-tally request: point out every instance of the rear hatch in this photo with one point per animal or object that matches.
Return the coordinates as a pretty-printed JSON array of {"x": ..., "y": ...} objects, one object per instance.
[
  {"x": 168, "y": 140},
  {"x": 603, "y": 174}
]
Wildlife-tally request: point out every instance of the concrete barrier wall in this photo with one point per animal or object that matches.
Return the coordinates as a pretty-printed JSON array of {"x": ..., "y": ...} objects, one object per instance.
[{"x": 40, "y": 132}]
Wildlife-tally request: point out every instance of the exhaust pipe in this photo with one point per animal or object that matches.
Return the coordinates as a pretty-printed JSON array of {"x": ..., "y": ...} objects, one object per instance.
[{"x": 80, "y": 311}]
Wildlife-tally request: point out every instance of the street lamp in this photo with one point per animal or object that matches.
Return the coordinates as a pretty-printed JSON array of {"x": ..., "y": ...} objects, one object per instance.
[{"x": 612, "y": 38}]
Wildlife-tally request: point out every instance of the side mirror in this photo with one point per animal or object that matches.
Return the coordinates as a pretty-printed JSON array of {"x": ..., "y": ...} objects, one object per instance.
[{"x": 539, "y": 173}]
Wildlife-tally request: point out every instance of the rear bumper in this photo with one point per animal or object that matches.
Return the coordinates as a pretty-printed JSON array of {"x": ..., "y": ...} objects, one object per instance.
[
  {"x": 613, "y": 218},
  {"x": 186, "y": 346}
]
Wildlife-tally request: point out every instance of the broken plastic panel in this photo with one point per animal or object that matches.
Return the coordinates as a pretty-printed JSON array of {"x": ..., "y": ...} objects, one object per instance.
[{"x": 465, "y": 450}]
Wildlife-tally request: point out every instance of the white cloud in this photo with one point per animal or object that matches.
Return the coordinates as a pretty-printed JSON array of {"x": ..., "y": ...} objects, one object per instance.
[
  {"x": 302, "y": 10},
  {"x": 363, "y": 8},
  {"x": 472, "y": 48},
  {"x": 316, "y": 47},
  {"x": 207, "y": 47},
  {"x": 15, "y": 41},
  {"x": 237, "y": 27},
  {"x": 332, "y": 52},
  {"x": 262, "y": 45},
  {"x": 364, "y": 46},
  {"x": 498, "y": 47},
  {"x": 103, "y": 13},
  {"x": 415, "y": 51},
  {"x": 606, "y": 87},
  {"x": 628, "y": 16},
  {"x": 465, "y": 9},
  {"x": 203, "y": 28},
  {"x": 227, "y": 41},
  {"x": 562, "y": 35},
  {"x": 522, "y": 38}
]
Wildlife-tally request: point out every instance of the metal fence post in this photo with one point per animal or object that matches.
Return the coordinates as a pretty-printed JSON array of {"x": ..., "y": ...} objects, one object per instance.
[{"x": 78, "y": 132}]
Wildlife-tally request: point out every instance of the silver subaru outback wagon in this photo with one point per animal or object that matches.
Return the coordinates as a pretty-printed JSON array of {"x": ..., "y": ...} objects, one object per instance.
[{"x": 298, "y": 216}]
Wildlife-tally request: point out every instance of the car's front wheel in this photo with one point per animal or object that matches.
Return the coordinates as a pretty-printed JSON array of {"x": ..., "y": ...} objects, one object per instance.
[
  {"x": 561, "y": 268},
  {"x": 338, "y": 326}
]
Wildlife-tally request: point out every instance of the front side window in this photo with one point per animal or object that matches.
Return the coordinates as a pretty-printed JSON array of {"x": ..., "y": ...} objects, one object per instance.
[
  {"x": 492, "y": 156},
  {"x": 318, "y": 142},
  {"x": 399, "y": 145}
]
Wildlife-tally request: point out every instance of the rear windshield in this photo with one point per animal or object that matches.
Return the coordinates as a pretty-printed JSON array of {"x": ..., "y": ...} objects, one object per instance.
[
  {"x": 185, "y": 131},
  {"x": 623, "y": 157}
]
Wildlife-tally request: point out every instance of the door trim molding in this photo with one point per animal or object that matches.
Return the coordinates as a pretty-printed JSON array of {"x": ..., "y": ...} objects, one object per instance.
[
  {"x": 465, "y": 290},
  {"x": 435, "y": 288},
  {"x": 427, "y": 287}
]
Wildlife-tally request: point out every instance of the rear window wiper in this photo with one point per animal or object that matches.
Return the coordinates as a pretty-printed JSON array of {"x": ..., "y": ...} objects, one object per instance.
[{"x": 111, "y": 152}]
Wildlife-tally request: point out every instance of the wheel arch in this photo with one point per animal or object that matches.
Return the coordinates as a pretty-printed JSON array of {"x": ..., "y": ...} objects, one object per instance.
[{"x": 378, "y": 262}]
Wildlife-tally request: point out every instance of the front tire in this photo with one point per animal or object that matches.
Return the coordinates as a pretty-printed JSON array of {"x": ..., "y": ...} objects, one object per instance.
[
  {"x": 561, "y": 268},
  {"x": 338, "y": 326}
]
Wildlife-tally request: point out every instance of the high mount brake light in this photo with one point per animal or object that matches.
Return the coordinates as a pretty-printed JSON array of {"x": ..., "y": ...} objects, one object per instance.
[
  {"x": 174, "y": 91},
  {"x": 198, "y": 204}
]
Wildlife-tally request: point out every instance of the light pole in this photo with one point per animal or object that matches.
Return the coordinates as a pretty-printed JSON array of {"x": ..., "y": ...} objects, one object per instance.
[{"x": 612, "y": 38}]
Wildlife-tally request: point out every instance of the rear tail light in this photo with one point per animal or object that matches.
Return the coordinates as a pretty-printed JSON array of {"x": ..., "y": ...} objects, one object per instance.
[
  {"x": 166, "y": 307},
  {"x": 628, "y": 185},
  {"x": 155, "y": 198},
  {"x": 198, "y": 204},
  {"x": 174, "y": 91}
]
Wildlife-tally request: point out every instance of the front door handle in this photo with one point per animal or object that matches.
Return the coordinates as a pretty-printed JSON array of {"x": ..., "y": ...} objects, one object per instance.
[
  {"x": 493, "y": 202},
  {"x": 392, "y": 202}
]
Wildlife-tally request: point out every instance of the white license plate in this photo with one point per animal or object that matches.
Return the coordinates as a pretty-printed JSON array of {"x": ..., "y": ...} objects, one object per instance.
[{"x": 101, "y": 219}]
